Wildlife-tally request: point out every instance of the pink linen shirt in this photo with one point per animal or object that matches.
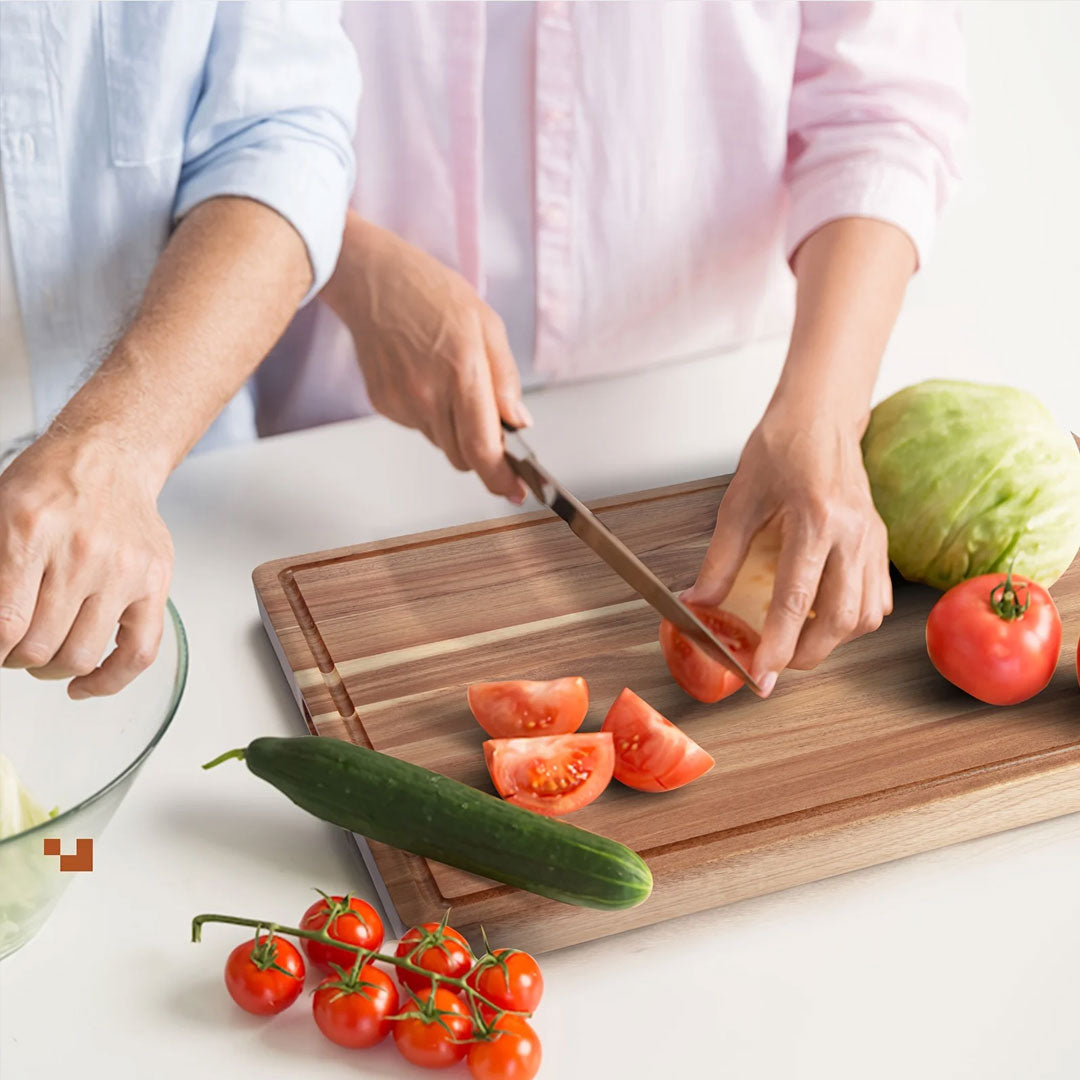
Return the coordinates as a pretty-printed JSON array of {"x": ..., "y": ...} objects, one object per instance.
[{"x": 680, "y": 153}]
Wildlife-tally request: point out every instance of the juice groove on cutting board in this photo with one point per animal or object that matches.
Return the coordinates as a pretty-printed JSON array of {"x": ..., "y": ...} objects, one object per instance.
[{"x": 870, "y": 758}]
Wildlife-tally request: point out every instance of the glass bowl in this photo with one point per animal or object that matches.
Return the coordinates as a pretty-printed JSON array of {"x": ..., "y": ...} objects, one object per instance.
[{"x": 79, "y": 759}]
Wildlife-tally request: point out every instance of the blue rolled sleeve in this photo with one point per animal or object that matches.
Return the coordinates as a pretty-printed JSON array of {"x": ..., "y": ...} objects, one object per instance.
[{"x": 274, "y": 121}]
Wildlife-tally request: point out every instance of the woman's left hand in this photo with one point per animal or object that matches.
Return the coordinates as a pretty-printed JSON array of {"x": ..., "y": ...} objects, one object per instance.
[{"x": 802, "y": 472}]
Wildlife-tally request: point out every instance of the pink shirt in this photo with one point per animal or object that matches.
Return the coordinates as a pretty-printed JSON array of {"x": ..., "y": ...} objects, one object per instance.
[{"x": 678, "y": 154}]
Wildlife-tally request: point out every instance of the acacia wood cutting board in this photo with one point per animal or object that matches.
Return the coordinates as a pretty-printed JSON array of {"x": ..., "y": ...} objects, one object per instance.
[{"x": 869, "y": 758}]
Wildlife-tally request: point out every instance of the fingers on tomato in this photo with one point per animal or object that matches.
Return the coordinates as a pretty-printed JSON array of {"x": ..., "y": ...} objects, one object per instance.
[
  {"x": 356, "y": 1012},
  {"x": 507, "y": 710},
  {"x": 1001, "y": 649},
  {"x": 695, "y": 670},
  {"x": 436, "y": 948},
  {"x": 434, "y": 1029},
  {"x": 346, "y": 918},
  {"x": 264, "y": 976},
  {"x": 512, "y": 1053},
  {"x": 551, "y": 774},
  {"x": 651, "y": 753},
  {"x": 509, "y": 979}
]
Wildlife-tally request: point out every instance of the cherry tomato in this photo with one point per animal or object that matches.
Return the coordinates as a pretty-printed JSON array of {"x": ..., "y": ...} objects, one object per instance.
[
  {"x": 264, "y": 976},
  {"x": 436, "y": 948},
  {"x": 354, "y": 921},
  {"x": 513, "y": 1053},
  {"x": 434, "y": 1031},
  {"x": 995, "y": 636},
  {"x": 356, "y": 1012},
  {"x": 509, "y": 979},
  {"x": 506, "y": 710},
  {"x": 651, "y": 753},
  {"x": 696, "y": 671},
  {"x": 551, "y": 774}
]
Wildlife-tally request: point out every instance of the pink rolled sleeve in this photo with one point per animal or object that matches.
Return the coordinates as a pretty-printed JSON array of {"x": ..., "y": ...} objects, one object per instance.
[{"x": 877, "y": 117}]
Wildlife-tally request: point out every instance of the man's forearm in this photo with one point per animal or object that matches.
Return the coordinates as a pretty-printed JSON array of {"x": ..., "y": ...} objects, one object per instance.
[
  {"x": 222, "y": 292},
  {"x": 852, "y": 274}
]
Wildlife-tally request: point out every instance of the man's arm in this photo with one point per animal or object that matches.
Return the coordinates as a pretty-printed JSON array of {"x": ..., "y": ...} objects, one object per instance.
[{"x": 81, "y": 545}]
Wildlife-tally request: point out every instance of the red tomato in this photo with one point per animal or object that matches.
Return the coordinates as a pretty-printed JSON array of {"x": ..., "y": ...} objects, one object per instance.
[
  {"x": 436, "y": 948},
  {"x": 433, "y": 1033},
  {"x": 356, "y": 1012},
  {"x": 651, "y": 753},
  {"x": 264, "y": 976},
  {"x": 513, "y": 1053},
  {"x": 996, "y": 636},
  {"x": 351, "y": 920},
  {"x": 509, "y": 979},
  {"x": 552, "y": 774},
  {"x": 696, "y": 671},
  {"x": 508, "y": 709}
]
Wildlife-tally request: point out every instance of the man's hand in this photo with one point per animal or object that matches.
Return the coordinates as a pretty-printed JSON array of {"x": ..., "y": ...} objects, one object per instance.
[
  {"x": 804, "y": 476},
  {"x": 82, "y": 549},
  {"x": 434, "y": 356}
]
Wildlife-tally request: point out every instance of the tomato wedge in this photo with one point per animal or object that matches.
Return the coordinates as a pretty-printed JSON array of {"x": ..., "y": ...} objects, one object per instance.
[
  {"x": 695, "y": 670},
  {"x": 651, "y": 753},
  {"x": 552, "y": 774},
  {"x": 507, "y": 710}
]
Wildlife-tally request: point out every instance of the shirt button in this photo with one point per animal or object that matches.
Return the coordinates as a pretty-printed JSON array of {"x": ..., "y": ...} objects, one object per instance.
[
  {"x": 553, "y": 117},
  {"x": 25, "y": 147},
  {"x": 552, "y": 216}
]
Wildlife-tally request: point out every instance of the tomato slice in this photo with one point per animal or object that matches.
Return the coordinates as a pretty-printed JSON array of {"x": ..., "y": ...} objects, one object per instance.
[
  {"x": 552, "y": 774},
  {"x": 507, "y": 710},
  {"x": 651, "y": 753},
  {"x": 694, "y": 669}
]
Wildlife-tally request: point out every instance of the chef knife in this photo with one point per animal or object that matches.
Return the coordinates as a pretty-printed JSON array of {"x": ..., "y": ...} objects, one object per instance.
[{"x": 588, "y": 527}]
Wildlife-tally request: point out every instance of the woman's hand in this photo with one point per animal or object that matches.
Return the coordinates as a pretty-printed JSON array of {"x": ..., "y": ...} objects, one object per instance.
[
  {"x": 434, "y": 356},
  {"x": 82, "y": 550},
  {"x": 803, "y": 474}
]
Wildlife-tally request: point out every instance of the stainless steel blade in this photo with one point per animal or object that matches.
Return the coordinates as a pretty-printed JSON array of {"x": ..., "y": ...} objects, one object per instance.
[{"x": 586, "y": 525}]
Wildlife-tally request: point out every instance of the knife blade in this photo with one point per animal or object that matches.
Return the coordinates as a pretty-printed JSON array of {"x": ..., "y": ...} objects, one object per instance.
[{"x": 589, "y": 528}]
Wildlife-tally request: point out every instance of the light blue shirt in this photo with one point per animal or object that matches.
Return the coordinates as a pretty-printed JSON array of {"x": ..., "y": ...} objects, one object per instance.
[{"x": 117, "y": 118}]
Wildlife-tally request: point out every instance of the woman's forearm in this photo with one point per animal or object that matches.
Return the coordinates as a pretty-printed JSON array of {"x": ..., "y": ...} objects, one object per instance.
[
  {"x": 222, "y": 292},
  {"x": 852, "y": 274}
]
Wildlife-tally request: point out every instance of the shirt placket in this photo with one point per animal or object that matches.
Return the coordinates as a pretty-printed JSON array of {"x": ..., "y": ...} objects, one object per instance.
[{"x": 554, "y": 184}]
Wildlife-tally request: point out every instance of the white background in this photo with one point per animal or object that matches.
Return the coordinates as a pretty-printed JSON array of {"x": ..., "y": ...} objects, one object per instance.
[{"x": 962, "y": 964}]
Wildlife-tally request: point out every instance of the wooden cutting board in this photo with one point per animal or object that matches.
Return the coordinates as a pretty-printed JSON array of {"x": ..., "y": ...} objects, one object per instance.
[{"x": 869, "y": 758}]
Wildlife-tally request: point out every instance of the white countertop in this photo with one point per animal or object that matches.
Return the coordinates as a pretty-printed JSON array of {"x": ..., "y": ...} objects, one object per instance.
[{"x": 959, "y": 963}]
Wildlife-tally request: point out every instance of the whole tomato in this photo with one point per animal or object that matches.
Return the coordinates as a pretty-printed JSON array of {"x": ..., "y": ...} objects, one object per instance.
[
  {"x": 510, "y": 979},
  {"x": 512, "y": 1053},
  {"x": 437, "y": 948},
  {"x": 347, "y": 919},
  {"x": 265, "y": 975},
  {"x": 355, "y": 1011},
  {"x": 434, "y": 1030},
  {"x": 995, "y": 636}
]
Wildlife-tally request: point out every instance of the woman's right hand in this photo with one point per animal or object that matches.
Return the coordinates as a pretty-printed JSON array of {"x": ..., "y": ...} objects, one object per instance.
[{"x": 434, "y": 356}]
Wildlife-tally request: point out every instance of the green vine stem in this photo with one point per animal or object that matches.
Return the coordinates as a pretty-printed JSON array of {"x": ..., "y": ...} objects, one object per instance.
[
  {"x": 1008, "y": 604},
  {"x": 484, "y": 1028}
]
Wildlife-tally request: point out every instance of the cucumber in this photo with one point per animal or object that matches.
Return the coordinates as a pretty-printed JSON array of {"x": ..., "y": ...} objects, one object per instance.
[{"x": 423, "y": 812}]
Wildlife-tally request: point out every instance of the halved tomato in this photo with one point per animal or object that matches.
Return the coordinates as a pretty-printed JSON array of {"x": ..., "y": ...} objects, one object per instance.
[
  {"x": 507, "y": 710},
  {"x": 695, "y": 670},
  {"x": 552, "y": 774},
  {"x": 651, "y": 753}
]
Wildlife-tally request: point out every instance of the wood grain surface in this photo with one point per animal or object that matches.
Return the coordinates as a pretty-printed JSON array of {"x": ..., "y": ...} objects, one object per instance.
[{"x": 871, "y": 757}]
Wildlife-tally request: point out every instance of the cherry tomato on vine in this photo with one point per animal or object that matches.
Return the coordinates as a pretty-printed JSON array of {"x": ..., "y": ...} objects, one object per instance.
[
  {"x": 436, "y": 948},
  {"x": 996, "y": 636},
  {"x": 509, "y": 979},
  {"x": 434, "y": 1030},
  {"x": 346, "y": 918},
  {"x": 355, "y": 1012},
  {"x": 512, "y": 1054},
  {"x": 265, "y": 975}
]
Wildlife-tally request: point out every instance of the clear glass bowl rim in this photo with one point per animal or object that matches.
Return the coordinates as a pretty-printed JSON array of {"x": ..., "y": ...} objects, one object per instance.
[{"x": 174, "y": 703}]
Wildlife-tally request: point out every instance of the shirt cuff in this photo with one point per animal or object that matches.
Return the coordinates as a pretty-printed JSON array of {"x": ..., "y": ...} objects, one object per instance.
[
  {"x": 311, "y": 193},
  {"x": 879, "y": 189}
]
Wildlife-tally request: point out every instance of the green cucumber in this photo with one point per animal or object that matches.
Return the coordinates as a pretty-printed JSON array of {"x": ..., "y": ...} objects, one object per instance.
[{"x": 428, "y": 814}]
